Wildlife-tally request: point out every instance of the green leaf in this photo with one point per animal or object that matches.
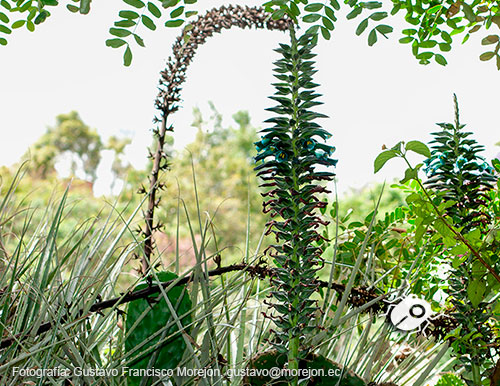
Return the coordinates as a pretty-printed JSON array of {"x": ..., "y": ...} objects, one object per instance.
[
  {"x": 475, "y": 291},
  {"x": 362, "y": 26},
  {"x": 315, "y": 7},
  {"x": 30, "y": 26},
  {"x": 496, "y": 164},
  {"x": 84, "y": 6},
  {"x": 487, "y": 56},
  {"x": 406, "y": 39},
  {"x": 174, "y": 23},
  {"x": 145, "y": 321},
  {"x": 52, "y": 3},
  {"x": 115, "y": 43},
  {"x": 128, "y": 14},
  {"x": 440, "y": 59},
  {"x": 372, "y": 37},
  {"x": 325, "y": 33},
  {"x": 41, "y": 17},
  {"x": 148, "y": 22},
  {"x": 4, "y": 29},
  {"x": 139, "y": 40},
  {"x": 469, "y": 13},
  {"x": 410, "y": 174},
  {"x": 378, "y": 16},
  {"x": 4, "y": 18},
  {"x": 125, "y": 23},
  {"x": 355, "y": 12},
  {"x": 135, "y": 3},
  {"x": 120, "y": 32},
  {"x": 155, "y": 11},
  {"x": 3, "y": 41},
  {"x": 177, "y": 12},
  {"x": 311, "y": 18},
  {"x": 18, "y": 24},
  {"x": 5, "y": 4},
  {"x": 384, "y": 29},
  {"x": 491, "y": 39},
  {"x": 335, "y": 4},
  {"x": 418, "y": 147},
  {"x": 328, "y": 23},
  {"x": 127, "y": 56},
  {"x": 190, "y": 13},
  {"x": 382, "y": 158},
  {"x": 73, "y": 8},
  {"x": 278, "y": 14},
  {"x": 428, "y": 44}
]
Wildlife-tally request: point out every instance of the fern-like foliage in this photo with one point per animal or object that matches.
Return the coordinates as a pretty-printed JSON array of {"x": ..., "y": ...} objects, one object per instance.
[
  {"x": 458, "y": 171},
  {"x": 290, "y": 152}
]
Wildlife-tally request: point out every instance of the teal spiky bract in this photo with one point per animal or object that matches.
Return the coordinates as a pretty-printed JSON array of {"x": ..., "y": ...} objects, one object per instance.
[{"x": 290, "y": 152}]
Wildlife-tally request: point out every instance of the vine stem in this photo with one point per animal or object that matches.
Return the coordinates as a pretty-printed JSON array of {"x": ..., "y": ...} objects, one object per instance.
[{"x": 455, "y": 232}]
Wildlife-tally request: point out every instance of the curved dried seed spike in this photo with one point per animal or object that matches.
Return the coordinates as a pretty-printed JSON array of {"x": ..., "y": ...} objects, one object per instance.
[{"x": 173, "y": 76}]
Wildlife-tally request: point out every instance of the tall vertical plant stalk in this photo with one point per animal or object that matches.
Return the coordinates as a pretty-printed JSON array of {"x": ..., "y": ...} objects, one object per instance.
[
  {"x": 290, "y": 154},
  {"x": 172, "y": 78}
]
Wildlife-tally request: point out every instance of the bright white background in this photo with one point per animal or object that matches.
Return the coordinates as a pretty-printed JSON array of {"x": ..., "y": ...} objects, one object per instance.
[{"x": 374, "y": 96}]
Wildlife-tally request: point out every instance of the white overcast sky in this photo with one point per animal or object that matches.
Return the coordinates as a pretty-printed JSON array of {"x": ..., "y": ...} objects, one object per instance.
[{"x": 374, "y": 96}]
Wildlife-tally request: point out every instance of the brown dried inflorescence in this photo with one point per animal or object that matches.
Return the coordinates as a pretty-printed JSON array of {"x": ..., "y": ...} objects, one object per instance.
[
  {"x": 173, "y": 77},
  {"x": 195, "y": 34}
]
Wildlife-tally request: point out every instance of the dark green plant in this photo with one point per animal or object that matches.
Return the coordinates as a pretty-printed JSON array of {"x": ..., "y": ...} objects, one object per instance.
[
  {"x": 151, "y": 328},
  {"x": 460, "y": 174},
  {"x": 455, "y": 207},
  {"x": 291, "y": 153}
]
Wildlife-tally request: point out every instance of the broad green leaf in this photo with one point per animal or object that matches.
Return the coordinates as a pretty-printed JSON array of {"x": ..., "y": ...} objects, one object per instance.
[
  {"x": 30, "y": 26},
  {"x": 41, "y": 17},
  {"x": 115, "y": 43},
  {"x": 418, "y": 147},
  {"x": 475, "y": 291},
  {"x": 50, "y": 2},
  {"x": 120, "y": 32},
  {"x": 147, "y": 318},
  {"x": 127, "y": 56},
  {"x": 135, "y": 3},
  {"x": 382, "y": 158},
  {"x": 3, "y": 41},
  {"x": 155, "y": 11},
  {"x": 148, "y": 22},
  {"x": 410, "y": 174},
  {"x": 278, "y": 14}
]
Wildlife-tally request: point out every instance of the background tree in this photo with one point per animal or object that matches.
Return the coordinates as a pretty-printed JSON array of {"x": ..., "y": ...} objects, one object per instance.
[{"x": 72, "y": 138}]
